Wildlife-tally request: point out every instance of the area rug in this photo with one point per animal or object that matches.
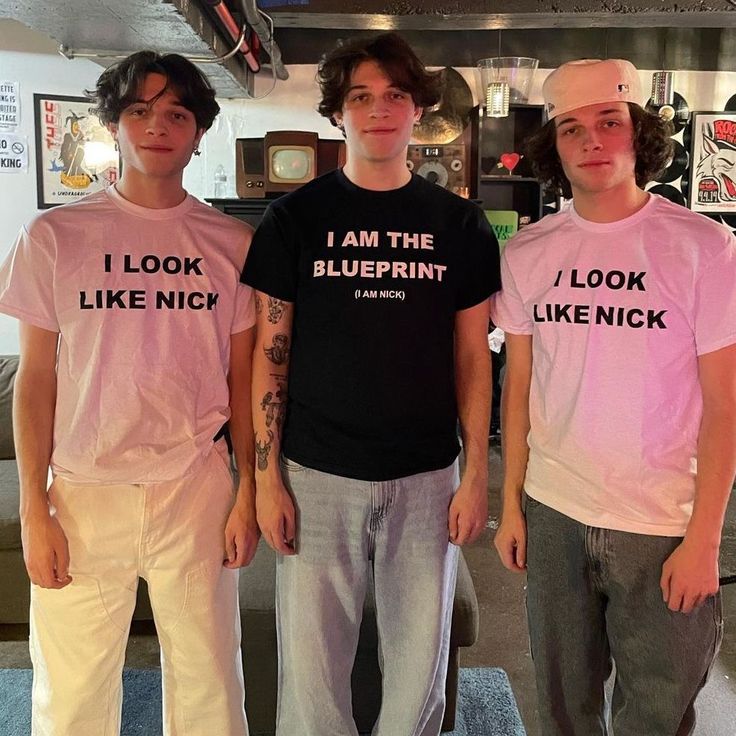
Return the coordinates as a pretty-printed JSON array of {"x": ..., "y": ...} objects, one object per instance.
[{"x": 486, "y": 705}]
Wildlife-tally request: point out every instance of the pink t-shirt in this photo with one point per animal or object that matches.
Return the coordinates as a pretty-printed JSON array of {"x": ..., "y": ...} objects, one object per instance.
[
  {"x": 619, "y": 313},
  {"x": 146, "y": 301}
]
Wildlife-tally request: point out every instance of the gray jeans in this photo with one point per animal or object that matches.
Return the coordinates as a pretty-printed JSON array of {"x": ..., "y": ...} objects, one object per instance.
[
  {"x": 345, "y": 528},
  {"x": 593, "y": 596}
]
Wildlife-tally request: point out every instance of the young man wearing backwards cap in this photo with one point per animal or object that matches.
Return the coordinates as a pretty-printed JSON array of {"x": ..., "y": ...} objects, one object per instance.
[{"x": 619, "y": 417}]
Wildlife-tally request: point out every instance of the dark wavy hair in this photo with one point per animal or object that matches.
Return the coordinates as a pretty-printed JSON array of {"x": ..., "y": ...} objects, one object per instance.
[
  {"x": 392, "y": 53},
  {"x": 652, "y": 145},
  {"x": 118, "y": 86}
]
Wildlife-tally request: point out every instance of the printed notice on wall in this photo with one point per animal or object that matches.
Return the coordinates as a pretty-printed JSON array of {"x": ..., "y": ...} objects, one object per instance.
[
  {"x": 9, "y": 105},
  {"x": 13, "y": 153}
]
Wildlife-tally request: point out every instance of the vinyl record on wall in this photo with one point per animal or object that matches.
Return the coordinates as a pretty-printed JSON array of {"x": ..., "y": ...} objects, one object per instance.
[
  {"x": 669, "y": 192},
  {"x": 731, "y": 104},
  {"x": 729, "y": 220},
  {"x": 685, "y": 186},
  {"x": 677, "y": 165},
  {"x": 678, "y": 112}
]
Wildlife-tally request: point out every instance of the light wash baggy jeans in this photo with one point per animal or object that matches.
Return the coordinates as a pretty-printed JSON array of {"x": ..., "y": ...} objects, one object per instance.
[
  {"x": 345, "y": 528},
  {"x": 593, "y": 594}
]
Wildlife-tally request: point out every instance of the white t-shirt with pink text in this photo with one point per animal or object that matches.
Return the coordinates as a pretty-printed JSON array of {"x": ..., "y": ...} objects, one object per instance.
[
  {"x": 618, "y": 313},
  {"x": 145, "y": 301}
]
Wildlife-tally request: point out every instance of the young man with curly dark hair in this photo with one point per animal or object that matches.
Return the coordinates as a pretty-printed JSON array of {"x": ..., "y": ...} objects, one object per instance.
[
  {"x": 132, "y": 320},
  {"x": 619, "y": 418},
  {"x": 373, "y": 284}
]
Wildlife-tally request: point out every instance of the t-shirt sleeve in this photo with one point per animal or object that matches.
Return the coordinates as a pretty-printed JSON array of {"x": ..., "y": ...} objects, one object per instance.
[
  {"x": 272, "y": 265},
  {"x": 27, "y": 283},
  {"x": 480, "y": 274},
  {"x": 507, "y": 306},
  {"x": 715, "y": 302}
]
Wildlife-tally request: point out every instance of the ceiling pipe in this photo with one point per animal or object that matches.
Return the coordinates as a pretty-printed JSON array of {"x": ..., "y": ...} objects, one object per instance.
[
  {"x": 235, "y": 32},
  {"x": 254, "y": 17},
  {"x": 69, "y": 53}
]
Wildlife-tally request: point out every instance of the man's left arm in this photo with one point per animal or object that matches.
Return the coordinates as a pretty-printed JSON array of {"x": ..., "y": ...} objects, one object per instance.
[
  {"x": 241, "y": 530},
  {"x": 469, "y": 507},
  {"x": 690, "y": 574}
]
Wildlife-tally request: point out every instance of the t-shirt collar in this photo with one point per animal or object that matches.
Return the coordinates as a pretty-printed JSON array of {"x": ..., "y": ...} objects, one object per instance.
[
  {"x": 148, "y": 213},
  {"x": 608, "y": 227}
]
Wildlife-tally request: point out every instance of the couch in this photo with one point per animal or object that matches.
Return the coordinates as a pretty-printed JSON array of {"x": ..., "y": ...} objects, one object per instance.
[{"x": 256, "y": 603}]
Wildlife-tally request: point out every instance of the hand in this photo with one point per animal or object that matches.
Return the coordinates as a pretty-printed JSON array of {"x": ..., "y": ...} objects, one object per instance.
[
  {"x": 241, "y": 531},
  {"x": 45, "y": 551},
  {"x": 510, "y": 540},
  {"x": 689, "y": 576},
  {"x": 468, "y": 511},
  {"x": 276, "y": 517}
]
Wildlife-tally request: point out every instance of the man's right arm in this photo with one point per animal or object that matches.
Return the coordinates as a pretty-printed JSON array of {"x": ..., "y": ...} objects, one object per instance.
[
  {"x": 45, "y": 548},
  {"x": 510, "y": 539},
  {"x": 274, "y": 506}
]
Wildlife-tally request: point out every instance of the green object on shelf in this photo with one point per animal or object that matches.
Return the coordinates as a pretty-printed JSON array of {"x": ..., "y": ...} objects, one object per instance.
[{"x": 504, "y": 224}]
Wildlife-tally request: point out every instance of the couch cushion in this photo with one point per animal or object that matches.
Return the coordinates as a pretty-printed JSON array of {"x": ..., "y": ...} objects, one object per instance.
[
  {"x": 9, "y": 500},
  {"x": 8, "y": 367}
]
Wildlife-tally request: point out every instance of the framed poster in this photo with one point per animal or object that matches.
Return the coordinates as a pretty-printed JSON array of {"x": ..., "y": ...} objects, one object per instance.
[
  {"x": 712, "y": 187},
  {"x": 75, "y": 153}
]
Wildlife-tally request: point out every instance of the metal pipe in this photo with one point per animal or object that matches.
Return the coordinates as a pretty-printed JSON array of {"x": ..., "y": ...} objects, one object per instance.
[
  {"x": 68, "y": 53},
  {"x": 232, "y": 28},
  {"x": 254, "y": 17}
]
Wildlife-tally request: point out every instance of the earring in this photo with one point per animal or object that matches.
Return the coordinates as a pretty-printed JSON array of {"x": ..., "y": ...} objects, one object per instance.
[{"x": 197, "y": 152}]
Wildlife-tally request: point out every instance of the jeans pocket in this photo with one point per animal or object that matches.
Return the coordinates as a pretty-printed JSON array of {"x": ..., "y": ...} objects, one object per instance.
[
  {"x": 84, "y": 600},
  {"x": 290, "y": 465},
  {"x": 530, "y": 503},
  {"x": 221, "y": 458}
]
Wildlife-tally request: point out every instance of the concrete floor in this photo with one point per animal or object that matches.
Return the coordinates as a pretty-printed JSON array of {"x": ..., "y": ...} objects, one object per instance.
[{"x": 503, "y": 636}]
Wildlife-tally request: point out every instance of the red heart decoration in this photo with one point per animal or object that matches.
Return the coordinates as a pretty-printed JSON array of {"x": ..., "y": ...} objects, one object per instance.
[{"x": 510, "y": 160}]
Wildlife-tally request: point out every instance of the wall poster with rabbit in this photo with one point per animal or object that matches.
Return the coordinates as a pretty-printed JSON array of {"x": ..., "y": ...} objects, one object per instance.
[{"x": 713, "y": 163}]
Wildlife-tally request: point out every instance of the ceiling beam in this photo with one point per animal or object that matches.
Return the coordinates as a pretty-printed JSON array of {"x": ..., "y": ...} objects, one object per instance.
[{"x": 496, "y": 21}]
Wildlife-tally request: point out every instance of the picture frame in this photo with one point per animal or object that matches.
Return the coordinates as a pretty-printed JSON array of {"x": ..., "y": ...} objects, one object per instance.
[
  {"x": 75, "y": 153},
  {"x": 712, "y": 176}
]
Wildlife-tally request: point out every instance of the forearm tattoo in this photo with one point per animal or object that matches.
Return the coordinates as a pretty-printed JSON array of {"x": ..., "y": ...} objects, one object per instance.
[
  {"x": 275, "y": 310},
  {"x": 278, "y": 353},
  {"x": 263, "y": 450},
  {"x": 259, "y": 304},
  {"x": 275, "y": 405}
]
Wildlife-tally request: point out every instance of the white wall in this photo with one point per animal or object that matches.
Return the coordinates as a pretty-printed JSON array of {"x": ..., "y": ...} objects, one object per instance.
[
  {"x": 38, "y": 69},
  {"x": 30, "y": 59}
]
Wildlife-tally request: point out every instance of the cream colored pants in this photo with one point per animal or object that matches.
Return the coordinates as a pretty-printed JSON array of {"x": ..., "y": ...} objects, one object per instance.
[{"x": 172, "y": 535}]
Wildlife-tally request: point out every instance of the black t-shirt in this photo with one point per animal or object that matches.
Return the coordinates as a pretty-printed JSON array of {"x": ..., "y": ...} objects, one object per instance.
[{"x": 376, "y": 279}]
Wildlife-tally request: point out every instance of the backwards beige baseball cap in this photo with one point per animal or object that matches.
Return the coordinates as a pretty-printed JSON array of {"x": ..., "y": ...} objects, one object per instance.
[{"x": 588, "y": 82}]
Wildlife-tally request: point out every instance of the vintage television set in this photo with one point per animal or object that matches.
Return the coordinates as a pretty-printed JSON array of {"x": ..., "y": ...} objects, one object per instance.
[
  {"x": 282, "y": 161},
  {"x": 290, "y": 159},
  {"x": 250, "y": 181}
]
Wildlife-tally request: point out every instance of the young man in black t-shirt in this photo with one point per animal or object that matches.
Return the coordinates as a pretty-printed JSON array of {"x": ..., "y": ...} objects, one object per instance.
[{"x": 372, "y": 304}]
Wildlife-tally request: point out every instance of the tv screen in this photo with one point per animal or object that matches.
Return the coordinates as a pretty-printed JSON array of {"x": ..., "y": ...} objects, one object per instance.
[{"x": 291, "y": 164}]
